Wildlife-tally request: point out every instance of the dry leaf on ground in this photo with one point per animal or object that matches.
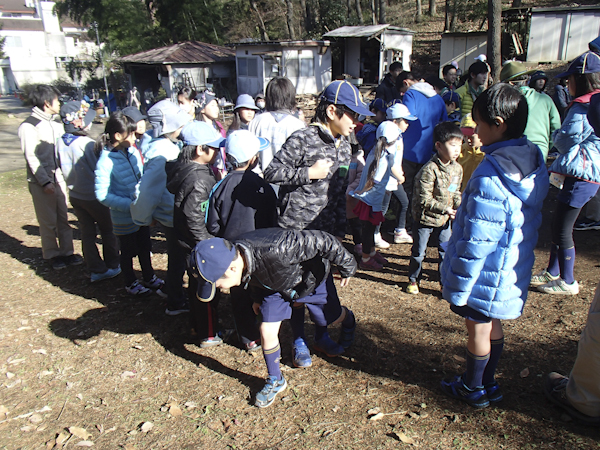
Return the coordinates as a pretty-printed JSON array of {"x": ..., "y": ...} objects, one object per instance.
[
  {"x": 81, "y": 433},
  {"x": 146, "y": 426}
]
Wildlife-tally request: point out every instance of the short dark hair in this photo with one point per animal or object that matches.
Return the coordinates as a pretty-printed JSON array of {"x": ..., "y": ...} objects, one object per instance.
[
  {"x": 188, "y": 152},
  {"x": 43, "y": 93},
  {"x": 586, "y": 83},
  {"x": 321, "y": 111},
  {"x": 446, "y": 131},
  {"x": 478, "y": 67},
  {"x": 187, "y": 92},
  {"x": 280, "y": 95},
  {"x": 504, "y": 101},
  {"x": 436, "y": 82},
  {"x": 447, "y": 68},
  {"x": 396, "y": 65},
  {"x": 405, "y": 75}
]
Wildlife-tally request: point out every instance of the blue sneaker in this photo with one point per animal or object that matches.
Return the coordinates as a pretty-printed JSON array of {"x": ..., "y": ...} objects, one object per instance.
[
  {"x": 328, "y": 346},
  {"x": 110, "y": 273},
  {"x": 347, "y": 333},
  {"x": 455, "y": 388},
  {"x": 493, "y": 392},
  {"x": 301, "y": 354},
  {"x": 267, "y": 395}
]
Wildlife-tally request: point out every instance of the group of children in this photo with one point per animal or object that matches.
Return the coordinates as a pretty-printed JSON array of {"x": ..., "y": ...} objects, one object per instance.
[{"x": 275, "y": 252}]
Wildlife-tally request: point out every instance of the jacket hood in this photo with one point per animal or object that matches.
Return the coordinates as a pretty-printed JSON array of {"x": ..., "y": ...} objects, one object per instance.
[
  {"x": 162, "y": 147},
  {"x": 520, "y": 164},
  {"x": 424, "y": 88},
  {"x": 527, "y": 92}
]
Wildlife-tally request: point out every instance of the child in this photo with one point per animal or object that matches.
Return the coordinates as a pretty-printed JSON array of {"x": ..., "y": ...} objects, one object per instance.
[
  {"x": 435, "y": 199},
  {"x": 118, "y": 171},
  {"x": 142, "y": 139},
  {"x": 366, "y": 136},
  {"x": 78, "y": 162},
  {"x": 470, "y": 153},
  {"x": 401, "y": 116},
  {"x": 191, "y": 180},
  {"x": 154, "y": 202},
  {"x": 487, "y": 267},
  {"x": 312, "y": 171},
  {"x": 452, "y": 101},
  {"x": 578, "y": 169},
  {"x": 39, "y": 134},
  {"x": 208, "y": 111},
  {"x": 186, "y": 99},
  {"x": 371, "y": 192},
  {"x": 357, "y": 164},
  {"x": 295, "y": 266},
  {"x": 242, "y": 202},
  {"x": 243, "y": 113}
]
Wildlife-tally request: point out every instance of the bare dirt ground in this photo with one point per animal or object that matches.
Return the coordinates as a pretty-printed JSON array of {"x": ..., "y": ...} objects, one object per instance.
[{"x": 84, "y": 365}]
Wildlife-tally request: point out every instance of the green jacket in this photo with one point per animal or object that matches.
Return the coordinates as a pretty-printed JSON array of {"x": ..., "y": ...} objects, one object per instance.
[
  {"x": 467, "y": 97},
  {"x": 436, "y": 187},
  {"x": 543, "y": 119}
]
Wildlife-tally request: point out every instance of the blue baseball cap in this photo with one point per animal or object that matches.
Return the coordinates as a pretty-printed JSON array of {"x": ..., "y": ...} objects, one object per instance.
[
  {"x": 588, "y": 62},
  {"x": 399, "y": 111},
  {"x": 243, "y": 145},
  {"x": 344, "y": 93},
  {"x": 134, "y": 114},
  {"x": 245, "y": 101},
  {"x": 388, "y": 130},
  {"x": 451, "y": 96},
  {"x": 209, "y": 260},
  {"x": 201, "y": 133},
  {"x": 378, "y": 104}
]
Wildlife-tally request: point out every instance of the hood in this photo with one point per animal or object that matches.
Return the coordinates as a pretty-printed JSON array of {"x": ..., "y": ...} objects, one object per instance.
[
  {"x": 179, "y": 172},
  {"x": 527, "y": 92},
  {"x": 520, "y": 164},
  {"x": 424, "y": 88},
  {"x": 162, "y": 147},
  {"x": 280, "y": 115}
]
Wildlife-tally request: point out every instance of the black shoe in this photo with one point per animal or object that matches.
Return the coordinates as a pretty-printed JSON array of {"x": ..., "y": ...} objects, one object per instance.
[
  {"x": 73, "y": 260},
  {"x": 58, "y": 262}
]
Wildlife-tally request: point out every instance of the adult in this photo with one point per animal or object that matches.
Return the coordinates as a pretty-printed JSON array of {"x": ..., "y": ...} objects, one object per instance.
[
  {"x": 387, "y": 88},
  {"x": 544, "y": 118},
  {"x": 423, "y": 102},
  {"x": 475, "y": 84},
  {"x": 278, "y": 121},
  {"x": 134, "y": 98},
  {"x": 39, "y": 134},
  {"x": 449, "y": 75}
]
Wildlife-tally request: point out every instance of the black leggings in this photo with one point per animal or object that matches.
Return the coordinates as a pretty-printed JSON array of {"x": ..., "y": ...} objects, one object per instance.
[
  {"x": 562, "y": 225},
  {"x": 368, "y": 236}
]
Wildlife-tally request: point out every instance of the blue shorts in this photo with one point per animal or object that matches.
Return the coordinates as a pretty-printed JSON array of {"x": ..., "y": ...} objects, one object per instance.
[
  {"x": 324, "y": 301},
  {"x": 469, "y": 313},
  {"x": 576, "y": 192}
]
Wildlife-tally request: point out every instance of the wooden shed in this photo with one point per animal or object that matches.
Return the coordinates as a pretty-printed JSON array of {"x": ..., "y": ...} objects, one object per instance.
[
  {"x": 306, "y": 63},
  {"x": 367, "y": 51},
  {"x": 462, "y": 48},
  {"x": 559, "y": 34}
]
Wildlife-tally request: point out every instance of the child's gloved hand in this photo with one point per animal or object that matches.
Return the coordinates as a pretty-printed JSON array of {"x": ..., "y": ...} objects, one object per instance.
[{"x": 320, "y": 169}]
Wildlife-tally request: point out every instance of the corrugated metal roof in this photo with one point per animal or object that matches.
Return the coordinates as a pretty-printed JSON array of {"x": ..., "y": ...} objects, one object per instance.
[
  {"x": 360, "y": 31},
  {"x": 15, "y": 6},
  {"x": 189, "y": 52},
  {"x": 21, "y": 25},
  {"x": 307, "y": 43}
]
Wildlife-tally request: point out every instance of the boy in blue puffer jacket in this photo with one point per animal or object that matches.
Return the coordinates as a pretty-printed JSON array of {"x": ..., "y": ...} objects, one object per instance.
[{"x": 487, "y": 267}]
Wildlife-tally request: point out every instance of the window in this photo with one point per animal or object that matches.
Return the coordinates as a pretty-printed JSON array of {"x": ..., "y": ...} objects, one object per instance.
[
  {"x": 247, "y": 67},
  {"x": 307, "y": 67},
  {"x": 300, "y": 64},
  {"x": 13, "y": 41}
]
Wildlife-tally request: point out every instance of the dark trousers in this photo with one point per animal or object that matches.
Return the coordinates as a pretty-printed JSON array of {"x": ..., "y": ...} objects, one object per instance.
[
  {"x": 410, "y": 171},
  {"x": 176, "y": 266},
  {"x": 421, "y": 236},
  {"x": 400, "y": 194},
  {"x": 89, "y": 214},
  {"x": 368, "y": 236},
  {"x": 204, "y": 316},
  {"x": 243, "y": 314},
  {"x": 137, "y": 243}
]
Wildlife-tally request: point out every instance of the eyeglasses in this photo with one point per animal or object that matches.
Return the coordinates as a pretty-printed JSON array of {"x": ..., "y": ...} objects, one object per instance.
[{"x": 353, "y": 115}]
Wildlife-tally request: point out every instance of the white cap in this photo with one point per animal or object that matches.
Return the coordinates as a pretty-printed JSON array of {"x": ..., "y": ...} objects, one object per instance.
[
  {"x": 388, "y": 130},
  {"x": 399, "y": 111}
]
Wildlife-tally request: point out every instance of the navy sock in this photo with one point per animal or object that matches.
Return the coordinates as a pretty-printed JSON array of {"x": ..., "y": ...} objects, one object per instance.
[
  {"x": 297, "y": 322},
  {"x": 490, "y": 369},
  {"x": 475, "y": 367},
  {"x": 349, "y": 320},
  {"x": 553, "y": 267},
  {"x": 320, "y": 332},
  {"x": 272, "y": 358},
  {"x": 566, "y": 260}
]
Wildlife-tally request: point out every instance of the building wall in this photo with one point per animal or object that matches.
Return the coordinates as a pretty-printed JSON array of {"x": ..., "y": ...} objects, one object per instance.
[
  {"x": 392, "y": 42},
  {"x": 462, "y": 48},
  {"x": 352, "y": 57}
]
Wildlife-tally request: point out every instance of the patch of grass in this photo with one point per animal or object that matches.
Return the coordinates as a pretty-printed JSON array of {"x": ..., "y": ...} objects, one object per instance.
[{"x": 10, "y": 182}]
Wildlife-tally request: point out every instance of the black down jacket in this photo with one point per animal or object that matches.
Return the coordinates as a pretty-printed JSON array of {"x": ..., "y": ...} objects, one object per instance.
[
  {"x": 191, "y": 184},
  {"x": 292, "y": 262}
]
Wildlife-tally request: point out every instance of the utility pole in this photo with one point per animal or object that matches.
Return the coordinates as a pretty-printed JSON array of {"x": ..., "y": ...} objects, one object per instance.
[{"x": 95, "y": 25}]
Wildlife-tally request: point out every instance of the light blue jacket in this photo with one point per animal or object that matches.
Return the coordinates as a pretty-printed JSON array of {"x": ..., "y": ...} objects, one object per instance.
[
  {"x": 153, "y": 200},
  {"x": 374, "y": 196},
  {"x": 117, "y": 173},
  {"x": 578, "y": 145},
  {"x": 490, "y": 255}
]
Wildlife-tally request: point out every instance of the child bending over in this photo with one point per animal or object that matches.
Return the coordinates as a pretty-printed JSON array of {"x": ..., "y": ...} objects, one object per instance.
[{"x": 488, "y": 262}]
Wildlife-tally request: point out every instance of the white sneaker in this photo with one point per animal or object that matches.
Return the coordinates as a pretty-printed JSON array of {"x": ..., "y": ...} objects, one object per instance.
[
  {"x": 559, "y": 287},
  {"x": 380, "y": 243},
  {"x": 541, "y": 278},
  {"x": 402, "y": 237}
]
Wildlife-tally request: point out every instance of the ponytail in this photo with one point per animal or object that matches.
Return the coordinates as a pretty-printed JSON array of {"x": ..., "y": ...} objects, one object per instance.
[
  {"x": 377, "y": 151},
  {"x": 117, "y": 123}
]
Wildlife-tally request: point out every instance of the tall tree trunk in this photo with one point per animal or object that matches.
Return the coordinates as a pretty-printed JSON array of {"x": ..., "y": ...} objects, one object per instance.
[
  {"x": 348, "y": 9},
  {"x": 382, "y": 11},
  {"x": 359, "y": 13},
  {"x": 419, "y": 14},
  {"x": 261, "y": 23},
  {"x": 516, "y": 4},
  {"x": 494, "y": 37},
  {"x": 304, "y": 15},
  {"x": 447, "y": 16},
  {"x": 453, "y": 18},
  {"x": 432, "y": 10},
  {"x": 373, "y": 13},
  {"x": 289, "y": 16}
]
